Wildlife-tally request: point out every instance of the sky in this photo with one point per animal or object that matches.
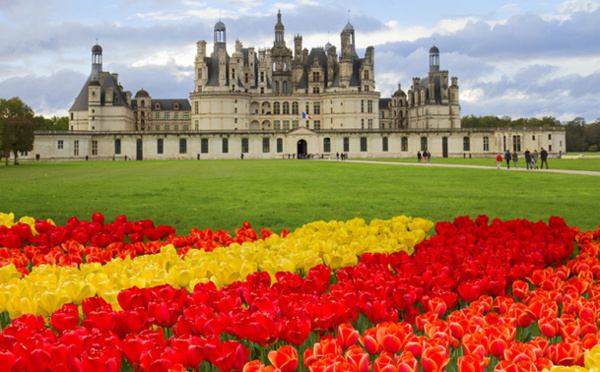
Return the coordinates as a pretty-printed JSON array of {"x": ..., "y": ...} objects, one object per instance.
[{"x": 517, "y": 59}]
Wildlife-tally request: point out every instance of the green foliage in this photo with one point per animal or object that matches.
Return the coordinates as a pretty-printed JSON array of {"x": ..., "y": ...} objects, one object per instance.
[
  {"x": 496, "y": 122},
  {"x": 54, "y": 123},
  {"x": 17, "y": 127},
  {"x": 277, "y": 194}
]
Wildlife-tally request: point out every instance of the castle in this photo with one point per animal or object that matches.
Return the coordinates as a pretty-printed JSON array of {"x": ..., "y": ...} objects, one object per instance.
[{"x": 279, "y": 103}]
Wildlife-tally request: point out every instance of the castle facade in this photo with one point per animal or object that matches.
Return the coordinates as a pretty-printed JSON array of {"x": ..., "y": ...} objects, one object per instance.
[{"x": 279, "y": 102}]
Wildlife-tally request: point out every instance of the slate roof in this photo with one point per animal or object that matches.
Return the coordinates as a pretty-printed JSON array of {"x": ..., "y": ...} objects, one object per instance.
[{"x": 81, "y": 102}]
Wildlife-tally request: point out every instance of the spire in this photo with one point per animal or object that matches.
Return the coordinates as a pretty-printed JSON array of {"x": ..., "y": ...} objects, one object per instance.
[
  {"x": 279, "y": 29},
  {"x": 434, "y": 59}
]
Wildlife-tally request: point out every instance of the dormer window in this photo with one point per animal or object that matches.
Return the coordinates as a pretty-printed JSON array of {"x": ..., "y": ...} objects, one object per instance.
[
  {"x": 176, "y": 106},
  {"x": 157, "y": 106}
]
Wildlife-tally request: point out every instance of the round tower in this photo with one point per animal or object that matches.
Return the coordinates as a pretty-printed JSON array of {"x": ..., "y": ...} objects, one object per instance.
[{"x": 220, "y": 33}]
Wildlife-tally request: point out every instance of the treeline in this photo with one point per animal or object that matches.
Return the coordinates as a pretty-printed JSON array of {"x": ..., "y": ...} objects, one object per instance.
[
  {"x": 580, "y": 136},
  {"x": 18, "y": 124}
]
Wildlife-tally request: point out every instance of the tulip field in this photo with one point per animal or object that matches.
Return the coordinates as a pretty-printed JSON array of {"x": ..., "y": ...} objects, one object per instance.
[{"x": 403, "y": 294}]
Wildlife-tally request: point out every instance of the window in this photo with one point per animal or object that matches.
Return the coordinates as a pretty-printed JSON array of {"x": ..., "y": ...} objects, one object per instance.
[
  {"x": 316, "y": 90},
  {"x": 71, "y": 116},
  {"x": 197, "y": 125},
  {"x": 317, "y": 106},
  {"x": 276, "y": 124},
  {"x": 76, "y": 148},
  {"x": 160, "y": 146},
  {"x": 550, "y": 148},
  {"x": 517, "y": 143},
  {"x": 384, "y": 144},
  {"x": 117, "y": 146},
  {"x": 176, "y": 127},
  {"x": 286, "y": 108},
  {"x": 294, "y": 124},
  {"x": 346, "y": 144},
  {"x": 167, "y": 127},
  {"x": 362, "y": 106},
  {"x": 326, "y": 144},
  {"x": 186, "y": 116},
  {"x": 279, "y": 145},
  {"x": 404, "y": 144},
  {"x": 186, "y": 127},
  {"x": 307, "y": 108},
  {"x": 276, "y": 108},
  {"x": 157, "y": 116},
  {"x": 549, "y": 137},
  {"x": 167, "y": 116},
  {"x": 533, "y": 137},
  {"x": 370, "y": 106},
  {"x": 196, "y": 109},
  {"x": 60, "y": 144},
  {"x": 94, "y": 147},
  {"x": 157, "y": 127},
  {"x": 244, "y": 145},
  {"x": 317, "y": 124},
  {"x": 366, "y": 75},
  {"x": 225, "y": 145},
  {"x": 504, "y": 142},
  {"x": 486, "y": 143},
  {"x": 316, "y": 77},
  {"x": 381, "y": 115},
  {"x": 294, "y": 108},
  {"x": 370, "y": 123},
  {"x": 466, "y": 143},
  {"x": 266, "y": 145},
  {"x": 262, "y": 77},
  {"x": 182, "y": 146},
  {"x": 286, "y": 124},
  {"x": 363, "y": 144},
  {"x": 362, "y": 123},
  {"x": 204, "y": 145},
  {"x": 423, "y": 143},
  {"x": 176, "y": 116}
]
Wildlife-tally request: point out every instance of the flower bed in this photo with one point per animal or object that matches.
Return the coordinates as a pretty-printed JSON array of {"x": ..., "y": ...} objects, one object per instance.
[{"x": 334, "y": 296}]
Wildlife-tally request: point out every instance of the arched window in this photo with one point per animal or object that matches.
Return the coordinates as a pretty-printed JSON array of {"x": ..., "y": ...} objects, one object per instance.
[
  {"x": 294, "y": 108},
  {"x": 276, "y": 87},
  {"x": 286, "y": 108},
  {"x": 276, "y": 108},
  {"x": 284, "y": 90},
  {"x": 143, "y": 103}
]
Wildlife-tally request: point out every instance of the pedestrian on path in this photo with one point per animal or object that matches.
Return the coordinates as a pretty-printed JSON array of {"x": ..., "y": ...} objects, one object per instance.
[
  {"x": 507, "y": 157},
  {"x": 515, "y": 158},
  {"x": 528, "y": 159},
  {"x": 418, "y": 156},
  {"x": 534, "y": 159},
  {"x": 544, "y": 157},
  {"x": 499, "y": 160}
]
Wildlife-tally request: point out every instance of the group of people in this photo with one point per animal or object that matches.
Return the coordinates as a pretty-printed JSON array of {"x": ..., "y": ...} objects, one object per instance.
[
  {"x": 425, "y": 157},
  {"x": 531, "y": 159},
  {"x": 342, "y": 156}
]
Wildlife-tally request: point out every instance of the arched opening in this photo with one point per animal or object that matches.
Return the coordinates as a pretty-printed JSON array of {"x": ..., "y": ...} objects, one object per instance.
[
  {"x": 255, "y": 125},
  {"x": 301, "y": 149}
]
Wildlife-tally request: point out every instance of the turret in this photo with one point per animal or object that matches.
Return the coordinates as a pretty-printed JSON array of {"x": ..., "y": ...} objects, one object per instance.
[
  {"x": 434, "y": 59},
  {"x": 96, "y": 61}
]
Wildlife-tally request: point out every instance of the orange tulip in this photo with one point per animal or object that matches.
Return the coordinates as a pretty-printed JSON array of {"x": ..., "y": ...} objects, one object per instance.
[
  {"x": 285, "y": 358},
  {"x": 358, "y": 359},
  {"x": 566, "y": 353},
  {"x": 470, "y": 363},
  {"x": 520, "y": 290},
  {"x": 347, "y": 335},
  {"x": 434, "y": 358},
  {"x": 407, "y": 362},
  {"x": 549, "y": 326}
]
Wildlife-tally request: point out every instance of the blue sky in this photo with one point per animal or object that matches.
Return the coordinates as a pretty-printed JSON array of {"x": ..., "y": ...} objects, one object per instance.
[{"x": 521, "y": 59}]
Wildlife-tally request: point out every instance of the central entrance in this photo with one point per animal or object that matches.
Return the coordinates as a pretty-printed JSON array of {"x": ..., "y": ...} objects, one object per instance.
[{"x": 301, "y": 149}]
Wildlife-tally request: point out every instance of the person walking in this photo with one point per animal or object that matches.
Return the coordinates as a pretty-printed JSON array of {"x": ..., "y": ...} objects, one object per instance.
[
  {"x": 507, "y": 157},
  {"x": 337, "y": 155},
  {"x": 419, "y": 156},
  {"x": 544, "y": 157},
  {"x": 528, "y": 159},
  {"x": 515, "y": 158},
  {"x": 534, "y": 159},
  {"x": 425, "y": 156},
  {"x": 499, "y": 160},
  {"x": 428, "y": 156}
]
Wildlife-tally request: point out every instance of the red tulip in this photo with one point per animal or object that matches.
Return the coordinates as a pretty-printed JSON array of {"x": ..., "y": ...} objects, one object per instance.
[
  {"x": 407, "y": 362},
  {"x": 384, "y": 363},
  {"x": 549, "y": 326},
  {"x": 358, "y": 359},
  {"x": 296, "y": 331},
  {"x": 65, "y": 318},
  {"x": 566, "y": 353},
  {"x": 232, "y": 357},
  {"x": 347, "y": 336}
]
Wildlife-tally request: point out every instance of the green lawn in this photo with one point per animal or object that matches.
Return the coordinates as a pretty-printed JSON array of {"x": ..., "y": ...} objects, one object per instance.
[
  {"x": 591, "y": 164},
  {"x": 279, "y": 194}
]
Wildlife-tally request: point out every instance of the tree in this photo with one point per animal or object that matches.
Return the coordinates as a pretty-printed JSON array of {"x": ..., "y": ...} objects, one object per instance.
[{"x": 16, "y": 127}]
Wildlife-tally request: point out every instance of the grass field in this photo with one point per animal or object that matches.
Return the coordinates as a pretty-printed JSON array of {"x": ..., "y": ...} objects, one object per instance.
[
  {"x": 279, "y": 194},
  {"x": 591, "y": 164}
]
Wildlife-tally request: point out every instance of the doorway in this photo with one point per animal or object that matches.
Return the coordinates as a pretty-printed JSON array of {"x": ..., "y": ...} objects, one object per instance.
[
  {"x": 139, "y": 150},
  {"x": 301, "y": 149},
  {"x": 444, "y": 147}
]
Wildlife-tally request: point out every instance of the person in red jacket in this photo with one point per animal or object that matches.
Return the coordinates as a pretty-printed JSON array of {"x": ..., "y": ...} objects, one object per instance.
[{"x": 499, "y": 160}]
